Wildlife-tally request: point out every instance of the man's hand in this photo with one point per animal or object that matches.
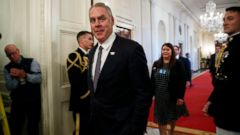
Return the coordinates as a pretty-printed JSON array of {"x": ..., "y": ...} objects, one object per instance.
[
  {"x": 180, "y": 101},
  {"x": 19, "y": 73}
]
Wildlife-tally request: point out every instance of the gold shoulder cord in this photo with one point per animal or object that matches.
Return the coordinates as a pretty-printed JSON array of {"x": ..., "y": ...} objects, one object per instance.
[
  {"x": 77, "y": 127},
  {"x": 83, "y": 62},
  {"x": 3, "y": 120},
  {"x": 85, "y": 95},
  {"x": 83, "y": 65},
  {"x": 219, "y": 57}
]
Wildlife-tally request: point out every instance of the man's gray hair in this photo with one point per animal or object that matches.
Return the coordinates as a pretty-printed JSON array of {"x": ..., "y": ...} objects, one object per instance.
[{"x": 100, "y": 4}]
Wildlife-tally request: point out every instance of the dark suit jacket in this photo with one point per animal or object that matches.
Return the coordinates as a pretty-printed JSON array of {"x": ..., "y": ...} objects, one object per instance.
[
  {"x": 123, "y": 96},
  {"x": 187, "y": 68}
]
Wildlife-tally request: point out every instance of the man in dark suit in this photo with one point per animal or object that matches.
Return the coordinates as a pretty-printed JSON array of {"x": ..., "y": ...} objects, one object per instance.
[
  {"x": 213, "y": 59},
  {"x": 223, "y": 102},
  {"x": 77, "y": 68},
  {"x": 120, "y": 85},
  {"x": 187, "y": 65}
]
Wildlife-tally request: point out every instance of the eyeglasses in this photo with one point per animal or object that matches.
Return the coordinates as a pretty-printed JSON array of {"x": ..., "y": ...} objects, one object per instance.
[{"x": 11, "y": 53}]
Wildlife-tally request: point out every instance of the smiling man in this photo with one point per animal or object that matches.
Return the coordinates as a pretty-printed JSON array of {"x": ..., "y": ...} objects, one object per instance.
[
  {"x": 223, "y": 102},
  {"x": 118, "y": 79}
]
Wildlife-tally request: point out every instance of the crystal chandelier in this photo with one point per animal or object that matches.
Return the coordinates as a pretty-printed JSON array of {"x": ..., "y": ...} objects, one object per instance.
[
  {"x": 220, "y": 37},
  {"x": 212, "y": 21}
]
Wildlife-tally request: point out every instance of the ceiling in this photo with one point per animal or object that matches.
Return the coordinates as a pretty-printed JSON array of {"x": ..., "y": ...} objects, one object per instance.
[{"x": 197, "y": 7}]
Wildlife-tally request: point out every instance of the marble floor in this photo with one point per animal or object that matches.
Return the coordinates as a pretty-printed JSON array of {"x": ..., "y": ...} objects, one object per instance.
[
  {"x": 155, "y": 131},
  {"x": 152, "y": 129},
  {"x": 179, "y": 131}
]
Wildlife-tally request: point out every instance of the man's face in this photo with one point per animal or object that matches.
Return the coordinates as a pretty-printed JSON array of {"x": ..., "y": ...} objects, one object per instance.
[
  {"x": 231, "y": 22},
  {"x": 86, "y": 41},
  {"x": 217, "y": 49},
  {"x": 13, "y": 54},
  {"x": 176, "y": 50},
  {"x": 101, "y": 23}
]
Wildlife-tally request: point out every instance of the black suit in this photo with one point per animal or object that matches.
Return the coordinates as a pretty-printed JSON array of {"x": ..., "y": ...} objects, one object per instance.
[
  {"x": 187, "y": 68},
  {"x": 123, "y": 96}
]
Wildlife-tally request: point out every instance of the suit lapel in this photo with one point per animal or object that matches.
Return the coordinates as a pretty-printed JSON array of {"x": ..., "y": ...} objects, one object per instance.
[
  {"x": 111, "y": 59},
  {"x": 91, "y": 56},
  {"x": 110, "y": 63}
]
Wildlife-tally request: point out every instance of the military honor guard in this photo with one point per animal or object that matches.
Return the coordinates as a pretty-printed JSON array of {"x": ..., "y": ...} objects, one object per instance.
[{"x": 77, "y": 68}]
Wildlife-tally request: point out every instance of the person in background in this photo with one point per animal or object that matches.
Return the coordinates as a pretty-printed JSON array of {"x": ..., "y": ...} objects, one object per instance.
[
  {"x": 207, "y": 62},
  {"x": 213, "y": 59},
  {"x": 77, "y": 68},
  {"x": 223, "y": 102},
  {"x": 23, "y": 79},
  {"x": 168, "y": 82},
  {"x": 118, "y": 79},
  {"x": 187, "y": 55},
  {"x": 186, "y": 63}
]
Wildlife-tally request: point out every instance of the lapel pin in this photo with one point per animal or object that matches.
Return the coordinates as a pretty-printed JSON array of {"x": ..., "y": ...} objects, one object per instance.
[{"x": 112, "y": 53}]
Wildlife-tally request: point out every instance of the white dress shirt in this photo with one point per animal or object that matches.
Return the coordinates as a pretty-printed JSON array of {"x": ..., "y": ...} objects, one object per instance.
[
  {"x": 85, "y": 52},
  {"x": 107, "y": 45}
]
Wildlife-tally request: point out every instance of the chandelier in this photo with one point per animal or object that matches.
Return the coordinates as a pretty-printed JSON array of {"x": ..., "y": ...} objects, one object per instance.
[
  {"x": 220, "y": 37},
  {"x": 212, "y": 21}
]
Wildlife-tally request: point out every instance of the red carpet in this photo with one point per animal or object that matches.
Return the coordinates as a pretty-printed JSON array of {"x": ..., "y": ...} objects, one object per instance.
[{"x": 195, "y": 98}]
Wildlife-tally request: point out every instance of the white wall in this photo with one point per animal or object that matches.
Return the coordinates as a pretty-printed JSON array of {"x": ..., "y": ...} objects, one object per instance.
[
  {"x": 159, "y": 19},
  {"x": 134, "y": 15},
  {"x": 207, "y": 46},
  {"x": 176, "y": 18}
]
